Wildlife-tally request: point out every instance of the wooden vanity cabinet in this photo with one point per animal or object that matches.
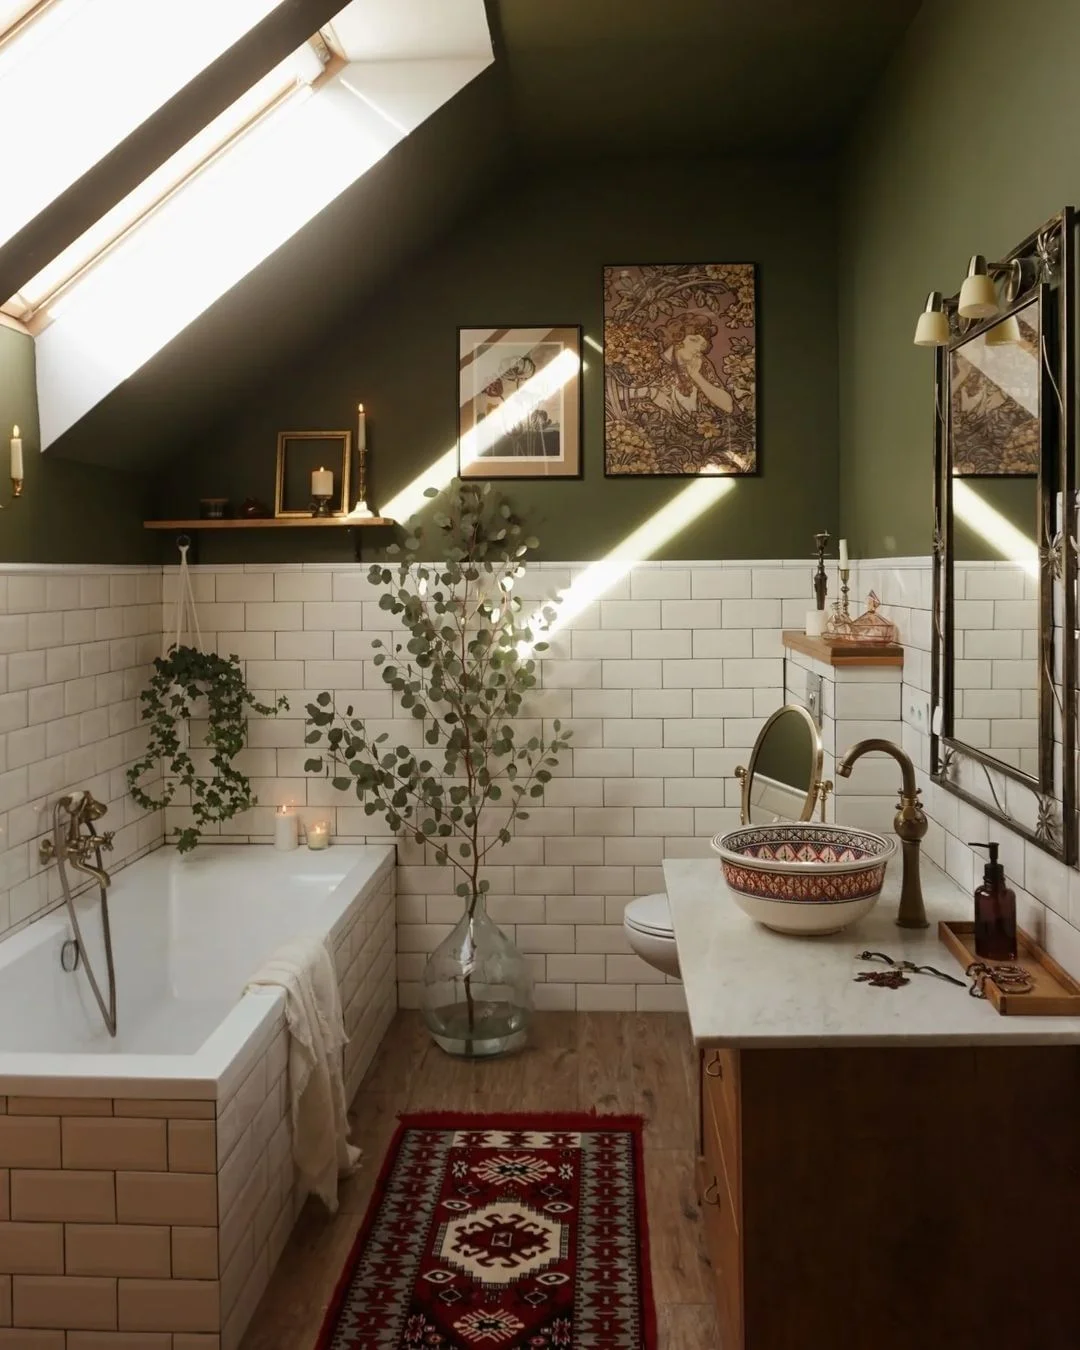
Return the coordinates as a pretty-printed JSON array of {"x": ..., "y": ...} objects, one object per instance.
[{"x": 892, "y": 1199}]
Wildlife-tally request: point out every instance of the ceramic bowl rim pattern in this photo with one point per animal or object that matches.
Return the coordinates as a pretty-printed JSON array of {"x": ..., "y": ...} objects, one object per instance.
[{"x": 883, "y": 848}]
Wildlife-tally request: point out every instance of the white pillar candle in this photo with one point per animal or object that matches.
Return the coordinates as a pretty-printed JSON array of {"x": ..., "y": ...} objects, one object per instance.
[
  {"x": 361, "y": 428},
  {"x": 318, "y": 834},
  {"x": 16, "y": 454},
  {"x": 322, "y": 483},
  {"x": 843, "y": 553},
  {"x": 286, "y": 834},
  {"x": 815, "y": 622}
]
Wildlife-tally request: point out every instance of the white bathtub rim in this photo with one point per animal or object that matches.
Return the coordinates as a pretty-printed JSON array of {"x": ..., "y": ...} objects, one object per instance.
[{"x": 211, "y": 1073}]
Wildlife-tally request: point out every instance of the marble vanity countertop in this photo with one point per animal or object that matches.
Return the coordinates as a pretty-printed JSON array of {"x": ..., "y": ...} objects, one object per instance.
[{"x": 749, "y": 987}]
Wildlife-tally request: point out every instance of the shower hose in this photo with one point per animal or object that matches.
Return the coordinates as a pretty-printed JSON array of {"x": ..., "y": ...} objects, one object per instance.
[{"x": 108, "y": 1012}]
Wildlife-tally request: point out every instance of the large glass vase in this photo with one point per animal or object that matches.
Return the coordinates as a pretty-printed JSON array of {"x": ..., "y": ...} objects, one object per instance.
[{"x": 477, "y": 989}]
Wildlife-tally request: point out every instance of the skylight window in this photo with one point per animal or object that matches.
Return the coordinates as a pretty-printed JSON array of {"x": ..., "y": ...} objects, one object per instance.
[
  {"x": 288, "y": 78},
  {"x": 227, "y": 199},
  {"x": 87, "y": 73}
]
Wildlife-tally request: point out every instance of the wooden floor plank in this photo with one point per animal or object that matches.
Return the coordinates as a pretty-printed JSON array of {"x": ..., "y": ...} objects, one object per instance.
[{"x": 613, "y": 1062}]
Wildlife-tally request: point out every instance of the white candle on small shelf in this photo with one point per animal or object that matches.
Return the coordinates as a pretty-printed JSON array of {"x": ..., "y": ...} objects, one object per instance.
[
  {"x": 16, "y": 455},
  {"x": 286, "y": 834},
  {"x": 843, "y": 553},
  {"x": 361, "y": 428},
  {"x": 318, "y": 834},
  {"x": 322, "y": 483}
]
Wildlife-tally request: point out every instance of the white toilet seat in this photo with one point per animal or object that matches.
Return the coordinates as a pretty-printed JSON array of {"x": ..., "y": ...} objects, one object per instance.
[
  {"x": 650, "y": 914},
  {"x": 647, "y": 924}
]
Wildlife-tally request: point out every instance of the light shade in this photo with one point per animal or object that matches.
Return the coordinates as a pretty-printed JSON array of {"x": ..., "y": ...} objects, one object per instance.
[
  {"x": 978, "y": 294},
  {"x": 932, "y": 328},
  {"x": 1004, "y": 333}
]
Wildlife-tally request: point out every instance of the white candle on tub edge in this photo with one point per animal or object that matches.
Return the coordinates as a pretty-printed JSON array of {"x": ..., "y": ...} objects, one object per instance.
[
  {"x": 322, "y": 483},
  {"x": 16, "y": 454},
  {"x": 843, "y": 553},
  {"x": 318, "y": 834},
  {"x": 286, "y": 833}
]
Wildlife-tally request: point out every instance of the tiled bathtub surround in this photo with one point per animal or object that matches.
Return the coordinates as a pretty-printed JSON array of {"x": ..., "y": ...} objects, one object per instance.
[
  {"x": 75, "y": 648},
  {"x": 665, "y": 678},
  {"x": 137, "y": 1223}
]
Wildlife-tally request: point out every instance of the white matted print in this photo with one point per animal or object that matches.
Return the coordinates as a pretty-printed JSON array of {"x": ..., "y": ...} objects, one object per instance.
[{"x": 519, "y": 402}]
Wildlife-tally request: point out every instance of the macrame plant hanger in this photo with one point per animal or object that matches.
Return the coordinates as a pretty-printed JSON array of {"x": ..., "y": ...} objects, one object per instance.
[{"x": 186, "y": 618}]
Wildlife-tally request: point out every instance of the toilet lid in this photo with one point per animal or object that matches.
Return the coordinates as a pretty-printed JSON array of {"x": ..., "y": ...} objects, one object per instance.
[{"x": 650, "y": 914}]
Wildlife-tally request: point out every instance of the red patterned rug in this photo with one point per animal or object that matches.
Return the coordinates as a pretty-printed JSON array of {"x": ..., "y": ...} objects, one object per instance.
[{"x": 507, "y": 1232}]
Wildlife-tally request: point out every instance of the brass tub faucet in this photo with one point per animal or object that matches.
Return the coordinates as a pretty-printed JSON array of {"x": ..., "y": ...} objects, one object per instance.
[{"x": 910, "y": 824}]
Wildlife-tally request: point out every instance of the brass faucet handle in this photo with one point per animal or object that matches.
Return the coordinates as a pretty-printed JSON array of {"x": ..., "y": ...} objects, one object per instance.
[{"x": 105, "y": 840}]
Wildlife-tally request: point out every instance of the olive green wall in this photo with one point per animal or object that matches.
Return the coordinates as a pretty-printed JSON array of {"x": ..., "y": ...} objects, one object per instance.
[
  {"x": 531, "y": 252},
  {"x": 968, "y": 145},
  {"x": 68, "y": 513}
]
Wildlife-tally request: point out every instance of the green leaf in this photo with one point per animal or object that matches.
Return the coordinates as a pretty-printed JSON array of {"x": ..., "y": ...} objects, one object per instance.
[{"x": 324, "y": 699}]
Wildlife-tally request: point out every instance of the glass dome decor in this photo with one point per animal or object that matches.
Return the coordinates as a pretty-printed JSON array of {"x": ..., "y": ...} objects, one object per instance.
[{"x": 462, "y": 662}]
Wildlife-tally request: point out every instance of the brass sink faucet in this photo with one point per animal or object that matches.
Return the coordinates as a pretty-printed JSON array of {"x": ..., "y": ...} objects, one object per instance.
[{"x": 910, "y": 824}]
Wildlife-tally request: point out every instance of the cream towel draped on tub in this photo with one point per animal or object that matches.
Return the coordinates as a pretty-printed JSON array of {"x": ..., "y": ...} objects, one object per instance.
[{"x": 304, "y": 970}]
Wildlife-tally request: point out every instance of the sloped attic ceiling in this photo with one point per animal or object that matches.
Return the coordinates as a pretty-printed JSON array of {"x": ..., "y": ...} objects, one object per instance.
[{"x": 602, "y": 77}]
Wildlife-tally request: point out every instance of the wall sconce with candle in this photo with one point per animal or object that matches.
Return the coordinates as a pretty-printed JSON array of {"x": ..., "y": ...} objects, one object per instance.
[{"x": 16, "y": 463}]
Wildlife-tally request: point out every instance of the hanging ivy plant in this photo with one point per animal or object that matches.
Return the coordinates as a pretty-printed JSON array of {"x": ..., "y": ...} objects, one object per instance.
[{"x": 181, "y": 680}]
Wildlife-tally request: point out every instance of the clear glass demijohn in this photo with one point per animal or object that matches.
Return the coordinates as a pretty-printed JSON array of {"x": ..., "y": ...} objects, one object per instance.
[{"x": 478, "y": 995}]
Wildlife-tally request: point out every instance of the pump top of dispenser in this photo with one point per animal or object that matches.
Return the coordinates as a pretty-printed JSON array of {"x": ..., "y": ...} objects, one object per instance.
[{"x": 993, "y": 871}]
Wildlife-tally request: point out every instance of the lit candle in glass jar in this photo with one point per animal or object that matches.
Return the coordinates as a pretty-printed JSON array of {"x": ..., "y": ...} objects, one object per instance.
[
  {"x": 286, "y": 835},
  {"x": 318, "y": 834}
]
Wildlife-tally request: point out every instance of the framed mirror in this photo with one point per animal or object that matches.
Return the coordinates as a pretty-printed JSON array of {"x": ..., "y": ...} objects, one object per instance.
[
  {"x": 783, "y": 780},
  {"x": 1003, "y": 728}
]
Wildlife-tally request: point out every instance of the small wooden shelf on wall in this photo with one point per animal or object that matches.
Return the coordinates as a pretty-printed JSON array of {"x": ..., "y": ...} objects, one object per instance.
[
  {"x": 844, "y": 653},
  {"x": 274, "y": 523},
  {"x": 264, "y": 523}
]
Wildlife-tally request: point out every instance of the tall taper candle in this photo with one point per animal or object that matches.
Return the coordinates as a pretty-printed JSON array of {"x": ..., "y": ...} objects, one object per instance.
[
  {"x": 361, "y": 429},
  {"x": 16, "y": 455},
  {"x": 843, "y": 553}
]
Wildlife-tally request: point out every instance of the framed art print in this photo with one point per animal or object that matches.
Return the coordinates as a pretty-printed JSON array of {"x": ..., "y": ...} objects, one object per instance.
[
  {"x": 680, "y": 369},
  {"x": 519, "y": 402}
]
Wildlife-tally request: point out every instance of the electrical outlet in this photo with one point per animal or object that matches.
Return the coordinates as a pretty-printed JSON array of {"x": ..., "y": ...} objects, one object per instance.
[{"x": 814, "y": 697}]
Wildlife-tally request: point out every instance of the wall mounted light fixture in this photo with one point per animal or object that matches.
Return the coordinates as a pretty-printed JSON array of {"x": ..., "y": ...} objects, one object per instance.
[
  {"x": 932, "y": 328},
  {"x": 978, "y": 294},
  {"x": 989, "y": 288}
]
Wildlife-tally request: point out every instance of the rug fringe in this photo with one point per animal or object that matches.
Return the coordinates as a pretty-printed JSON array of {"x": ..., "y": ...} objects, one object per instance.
[{"x": 494, "y": 1120}]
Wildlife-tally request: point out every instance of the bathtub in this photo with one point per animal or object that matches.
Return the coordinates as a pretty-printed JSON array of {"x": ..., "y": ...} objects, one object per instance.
[{"x": 166, "y": 1152}]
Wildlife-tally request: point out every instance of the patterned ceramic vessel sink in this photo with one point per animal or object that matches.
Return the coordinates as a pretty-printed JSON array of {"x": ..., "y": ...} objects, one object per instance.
[{"x": 804, "y": 878}]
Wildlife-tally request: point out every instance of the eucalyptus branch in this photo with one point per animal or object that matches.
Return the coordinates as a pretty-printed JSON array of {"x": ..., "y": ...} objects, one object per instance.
[{"x": 460, "y": 670}]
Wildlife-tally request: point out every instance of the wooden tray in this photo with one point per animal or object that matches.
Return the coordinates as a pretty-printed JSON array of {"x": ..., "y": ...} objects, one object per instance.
[{"x": 1056, "y": 993}]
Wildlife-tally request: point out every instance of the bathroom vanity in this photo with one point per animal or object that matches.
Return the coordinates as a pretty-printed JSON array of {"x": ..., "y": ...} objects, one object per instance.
[{"x": 885, "y": 1168}]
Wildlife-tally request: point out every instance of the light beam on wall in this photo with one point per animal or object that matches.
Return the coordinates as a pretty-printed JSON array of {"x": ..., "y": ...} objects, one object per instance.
[
  {"x": 649, "y": 537},
  {"x": 989, "y": 524}
]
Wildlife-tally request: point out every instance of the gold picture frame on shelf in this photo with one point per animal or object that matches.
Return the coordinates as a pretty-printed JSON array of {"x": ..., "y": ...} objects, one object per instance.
[{"x": 299, "y": 454}]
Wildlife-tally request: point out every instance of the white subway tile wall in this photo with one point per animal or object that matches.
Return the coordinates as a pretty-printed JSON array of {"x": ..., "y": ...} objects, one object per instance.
[
  {"x": 664, "y": 679},
  {"x": 76, "y": 645}
]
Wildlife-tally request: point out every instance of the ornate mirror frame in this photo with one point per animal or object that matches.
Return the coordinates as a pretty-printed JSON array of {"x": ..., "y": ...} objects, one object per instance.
[{"x": 1040, "y": 807}]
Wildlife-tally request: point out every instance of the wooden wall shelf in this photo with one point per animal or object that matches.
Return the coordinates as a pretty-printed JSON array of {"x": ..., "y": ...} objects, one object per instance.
[
  {"x": 844, "y": 653},
  {"x": 270, "y": 523}
]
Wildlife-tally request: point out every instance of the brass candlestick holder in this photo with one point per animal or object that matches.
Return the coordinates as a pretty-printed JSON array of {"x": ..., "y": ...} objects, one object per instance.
[
  {"x": 845, "y": 576},
  {"x": 821, "y": 580}
]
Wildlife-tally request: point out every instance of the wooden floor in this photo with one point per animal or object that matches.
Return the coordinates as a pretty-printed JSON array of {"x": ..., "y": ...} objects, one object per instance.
[{"x": 617, "y": 1062}]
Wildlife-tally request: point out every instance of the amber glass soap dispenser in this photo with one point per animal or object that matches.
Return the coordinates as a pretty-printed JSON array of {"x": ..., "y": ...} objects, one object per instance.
[{"x": 995, "y": 912}]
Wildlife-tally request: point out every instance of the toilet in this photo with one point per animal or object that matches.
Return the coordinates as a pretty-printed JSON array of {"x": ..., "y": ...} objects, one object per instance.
[{"x": 647, "y": 922}]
